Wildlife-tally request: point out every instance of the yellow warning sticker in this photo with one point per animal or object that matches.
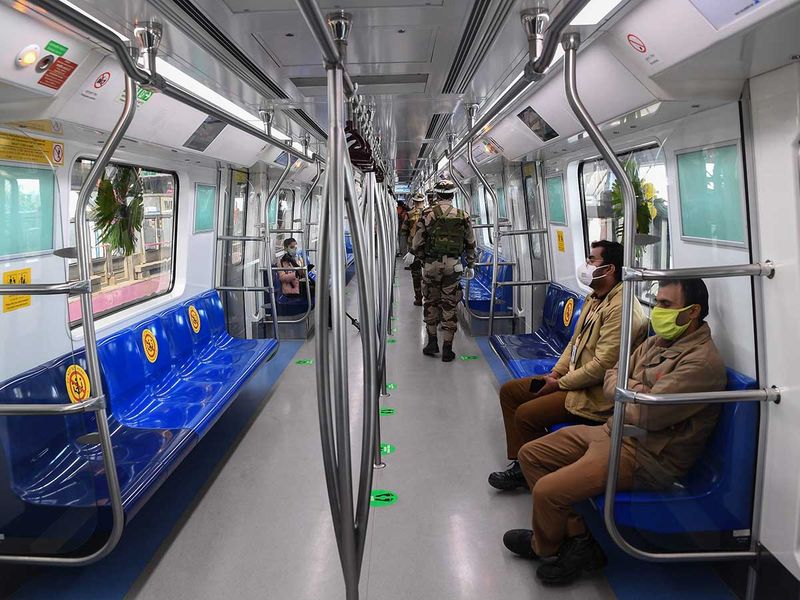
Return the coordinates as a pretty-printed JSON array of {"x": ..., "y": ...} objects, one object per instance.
[
  {"x": 18, "y": 277},
  {"x": 78, "y": 386},
  {"x": 25, "y": 149},
  {"x": 194, "y": 319},
  {"x": 569, "y": 309},
  {"x": 560, "y": 237},
  {"x": 150, "y": 345}
]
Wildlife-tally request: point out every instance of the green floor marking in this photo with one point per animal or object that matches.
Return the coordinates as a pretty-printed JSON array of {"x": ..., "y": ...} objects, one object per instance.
[
  {"x": 391, "y": 386},
  {"x": 469, "y": 357},
  {"x": 385, "y": 412},
  {"x": 391, "y": 341},
  {"x": 394, "y": 319},
  {"x": 394, "y": 329},
  {"x": 382, "y": 498},
  {"x": 386, "y": 448},
  {"x": 305, "y": 361}
]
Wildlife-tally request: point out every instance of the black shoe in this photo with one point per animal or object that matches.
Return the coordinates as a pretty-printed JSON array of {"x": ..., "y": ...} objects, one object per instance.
[
  {"x": 576, "y": 556},
  {"x": 519, "y": 542},
  {"x": 447, "y": 352},
  {"x": 510, "y": 479},
  {"x": 406, "y": 268},
  {"x": 432, "y": 349},
  {"x": 417, "y": 301}
]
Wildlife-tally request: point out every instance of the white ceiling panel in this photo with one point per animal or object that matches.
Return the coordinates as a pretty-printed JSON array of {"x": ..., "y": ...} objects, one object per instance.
[{"x": 252, "y": 6}]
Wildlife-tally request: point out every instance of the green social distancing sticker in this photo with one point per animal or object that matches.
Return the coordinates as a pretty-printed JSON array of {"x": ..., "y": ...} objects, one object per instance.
[
  {"x": 391, "y": 386},
  {"x": 391, "y": 341},
  {"x": 469, "y": 357},
  {"x": 386, "y": 448},
  {"x": 55, "y": 48},
  {"x": 386, "y": 412},
  {"x": 305, "y": 361},
  {"x": 382, "y": 498},
  {"x": 394, "y": 319}
]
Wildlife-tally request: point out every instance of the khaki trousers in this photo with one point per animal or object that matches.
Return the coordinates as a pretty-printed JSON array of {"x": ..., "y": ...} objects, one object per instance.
[
  {"x": 526, "y": 418},
  {"x": 564, "y": 468}
]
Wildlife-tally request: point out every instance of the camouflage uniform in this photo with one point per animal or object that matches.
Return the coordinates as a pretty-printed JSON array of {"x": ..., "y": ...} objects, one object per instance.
[
  {"x": 407, "y": 232},
  {"x": 441, "y": 282}
]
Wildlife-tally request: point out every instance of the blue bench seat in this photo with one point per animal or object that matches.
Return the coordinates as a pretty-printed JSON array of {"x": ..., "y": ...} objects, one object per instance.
[
  {"x": 480, "y": 287},
  {"x": 536, "y": 353},
  {"x": 159, "y": 407}
]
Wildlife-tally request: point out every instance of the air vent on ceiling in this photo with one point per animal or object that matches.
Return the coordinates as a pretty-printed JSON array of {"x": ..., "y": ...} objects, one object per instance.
[
  {"x": 205, "y": 134},
  {"x": 537, "y": 124}
]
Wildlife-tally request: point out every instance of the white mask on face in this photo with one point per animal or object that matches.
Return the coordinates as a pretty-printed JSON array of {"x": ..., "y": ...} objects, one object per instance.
[{"x": 586, "y": 273}]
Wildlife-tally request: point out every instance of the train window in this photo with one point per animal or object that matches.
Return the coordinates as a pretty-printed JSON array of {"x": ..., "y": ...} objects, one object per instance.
[
  {"x": 711, "y": 198},
  {"x": 483, "y": 214},
  {"x": 26, "y": 210},
  {"x": 121, "y": 279},
  {"x": 205, "y": 199},
  {"x": 555, "y": 200},
  {"x": 602, "y": 206},
  {"x": 237, "y": 214}
]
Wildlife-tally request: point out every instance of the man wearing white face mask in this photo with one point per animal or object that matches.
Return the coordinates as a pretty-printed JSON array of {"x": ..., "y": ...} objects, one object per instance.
[{"x": 573, "y": 391}]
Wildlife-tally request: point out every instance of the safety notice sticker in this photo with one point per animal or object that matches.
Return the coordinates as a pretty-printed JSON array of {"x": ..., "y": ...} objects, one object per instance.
[
  {"x": 58, "y": 73},
  {"x": 26, "y": 149},
  {"x": 17, "y": 277}
]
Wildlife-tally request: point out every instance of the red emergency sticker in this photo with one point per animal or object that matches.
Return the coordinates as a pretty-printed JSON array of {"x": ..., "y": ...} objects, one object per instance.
[{"x": 58, "y": 73}]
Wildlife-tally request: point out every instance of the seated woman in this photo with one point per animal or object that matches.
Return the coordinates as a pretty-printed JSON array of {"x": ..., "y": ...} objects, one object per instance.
[{"x": 293, "y": 283}]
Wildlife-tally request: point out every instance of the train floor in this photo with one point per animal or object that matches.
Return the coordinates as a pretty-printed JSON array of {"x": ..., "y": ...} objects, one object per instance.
[{"x": 246, "y": 515}]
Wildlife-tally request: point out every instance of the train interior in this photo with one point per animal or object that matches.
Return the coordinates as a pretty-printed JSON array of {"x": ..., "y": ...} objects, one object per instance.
[{"x": 164, "y": 390}]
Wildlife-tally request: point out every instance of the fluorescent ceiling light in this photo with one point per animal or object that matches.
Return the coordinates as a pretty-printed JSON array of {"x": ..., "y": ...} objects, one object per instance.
[
  {"x": 442, "y": 164},
  {"x": 190, "y": 84},
  {"x": 594, "y": 12}
]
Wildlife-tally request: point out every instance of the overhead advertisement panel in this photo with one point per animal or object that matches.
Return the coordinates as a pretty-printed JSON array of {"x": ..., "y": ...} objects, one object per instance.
[{"x": 720, "y": 14}]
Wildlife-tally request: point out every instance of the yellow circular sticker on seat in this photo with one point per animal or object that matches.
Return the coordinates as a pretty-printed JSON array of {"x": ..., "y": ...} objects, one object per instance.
[
  {"x": 194, "y": 319},
  {"x": 569, "y": 309},
  {"x": 150, "y": 345},
  {"x": 78, "y": 386}
]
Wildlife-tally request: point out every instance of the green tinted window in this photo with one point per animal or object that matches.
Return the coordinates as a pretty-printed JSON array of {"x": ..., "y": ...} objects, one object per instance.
[
  {"x": 26, "y": 210},
  {"x": 204, "y": 201},
  {"x": 555, "y": 200},
  {"x": 712, "y": 207}
]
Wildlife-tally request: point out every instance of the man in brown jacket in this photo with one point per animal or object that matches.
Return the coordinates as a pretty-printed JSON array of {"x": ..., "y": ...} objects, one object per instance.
[
  {"x": 571, "y": 465},
  {"x": 574, "y": 390}
]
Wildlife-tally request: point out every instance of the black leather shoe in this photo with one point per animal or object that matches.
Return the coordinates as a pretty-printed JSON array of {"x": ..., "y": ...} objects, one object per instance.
[
  {"x": 417, "y": 301},
  {"x": 432, "y": 349},
  {"x": 447, "y": 352},
  {"x": 510, "y": 479},
  {"x": 577, "y": 555},
  {"x": 519, "y": 542}
]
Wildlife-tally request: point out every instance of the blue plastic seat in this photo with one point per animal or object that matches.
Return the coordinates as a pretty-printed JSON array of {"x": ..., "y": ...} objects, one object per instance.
[
  {"x": 536, "y": 353},
  {"x": 160, "y": 403},
  {"x": 480, "y": 287}
]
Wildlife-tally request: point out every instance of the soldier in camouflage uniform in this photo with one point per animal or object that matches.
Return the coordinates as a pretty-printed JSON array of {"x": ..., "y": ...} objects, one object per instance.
[
  {"x": 444, "y": 234},
  {"x": 407, "y": 232}
]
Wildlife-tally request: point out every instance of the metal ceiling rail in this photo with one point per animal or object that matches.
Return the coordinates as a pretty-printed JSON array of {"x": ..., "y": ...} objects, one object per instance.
[{"x": 75, "y": 18}]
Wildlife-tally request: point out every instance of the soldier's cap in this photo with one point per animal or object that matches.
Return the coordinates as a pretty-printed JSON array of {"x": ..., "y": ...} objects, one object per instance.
[
  {"x": 445, "y": 188},
  {"x": 418, "y": 197},
  {"x": 430, "y": 192}
]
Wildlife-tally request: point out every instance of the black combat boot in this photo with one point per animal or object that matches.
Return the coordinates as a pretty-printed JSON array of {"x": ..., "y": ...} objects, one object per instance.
[
  {"x": 510, "y": 479},
  {"x": 432, "y": 349},
  {"x": 577, "y": 555},
  {"x": 519, "y": 542},
  {"x": 447, "y": 352},
  {"x": 418, "y": 301}
]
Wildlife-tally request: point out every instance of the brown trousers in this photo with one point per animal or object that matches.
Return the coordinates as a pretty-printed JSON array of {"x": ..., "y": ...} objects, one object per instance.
[
  {"x": 564, "y": 468},
  {"x": 526, "y": 418}
]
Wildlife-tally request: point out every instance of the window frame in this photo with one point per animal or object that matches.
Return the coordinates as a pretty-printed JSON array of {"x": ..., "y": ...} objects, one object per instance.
[
  {"x": 742, "y": 195},
  {"x": 54, "y": 211},
  {"x": 174, "y": 245}
]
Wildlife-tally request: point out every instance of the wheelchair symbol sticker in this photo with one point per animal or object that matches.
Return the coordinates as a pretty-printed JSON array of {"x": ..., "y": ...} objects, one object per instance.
[
  {"x": 382, "y": 498},
  {"x": 150, "y": 345},
  {"x": 78, "y": 386},
  {"x": 569, "y": 309},
  {"x": 194, "y": 319}
]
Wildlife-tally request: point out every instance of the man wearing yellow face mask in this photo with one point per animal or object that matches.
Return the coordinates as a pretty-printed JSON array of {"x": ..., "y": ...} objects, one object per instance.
[{"x": 571, "y": 465}]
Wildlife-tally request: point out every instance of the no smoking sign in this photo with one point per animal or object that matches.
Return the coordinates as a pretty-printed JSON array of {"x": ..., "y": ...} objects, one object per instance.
[
  {"x": 102, "y": 79},
  {"x": 637, "y": 43}
]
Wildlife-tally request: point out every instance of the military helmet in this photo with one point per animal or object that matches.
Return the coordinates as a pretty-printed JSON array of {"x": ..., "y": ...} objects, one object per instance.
[
  {"x": 445, "y": 188},
  {"x": 432, "y": 197},
  {"x": 418, "y": 198}
]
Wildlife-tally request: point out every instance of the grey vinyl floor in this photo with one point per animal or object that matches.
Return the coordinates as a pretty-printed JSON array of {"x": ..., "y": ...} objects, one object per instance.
[{"x": 262, "y": 529}]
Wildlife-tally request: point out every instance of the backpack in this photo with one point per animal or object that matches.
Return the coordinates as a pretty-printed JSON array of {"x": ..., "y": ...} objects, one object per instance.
[
  {"x": 412, "y": 220},
  {"x": 447, "y": 232}
]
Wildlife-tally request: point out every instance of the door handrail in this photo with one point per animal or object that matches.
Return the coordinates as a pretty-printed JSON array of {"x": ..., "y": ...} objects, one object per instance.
[
  {"x": 765, "y": 269},
  {"x": 46, "y": 289}
]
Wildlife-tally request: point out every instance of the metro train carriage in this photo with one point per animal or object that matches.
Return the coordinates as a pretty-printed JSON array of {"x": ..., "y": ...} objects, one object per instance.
[{"x": 447, "y": 299}]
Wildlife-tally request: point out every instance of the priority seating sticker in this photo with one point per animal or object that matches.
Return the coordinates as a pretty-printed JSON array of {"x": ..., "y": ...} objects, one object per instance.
[
  {"x": 78, "y": 386},
  {"x": 150, "y": 345},
  {"x": 569, "y": 309},
  {"x": 194, "y": 319}
]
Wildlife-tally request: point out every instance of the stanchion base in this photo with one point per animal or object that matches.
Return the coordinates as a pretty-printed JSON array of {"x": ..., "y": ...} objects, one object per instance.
[
  {"x": 381, "y": 465},
  {"x": 385, "y": 395}
]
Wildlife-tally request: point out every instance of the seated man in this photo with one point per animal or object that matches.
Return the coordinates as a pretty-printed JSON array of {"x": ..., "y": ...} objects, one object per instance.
[
  {"x": 574, "y": 390},
  {"x": 571, "y": 465}
]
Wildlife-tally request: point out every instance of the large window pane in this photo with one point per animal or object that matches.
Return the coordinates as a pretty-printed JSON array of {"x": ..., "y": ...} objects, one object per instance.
[
  {"x": 26, "y": 210},
  {"x": 712, "y": 206},
  {"x": 555, "y": 200},
  {"x": 120, "y": 280}
]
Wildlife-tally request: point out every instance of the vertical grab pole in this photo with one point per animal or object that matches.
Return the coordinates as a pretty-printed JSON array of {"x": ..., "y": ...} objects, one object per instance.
[
  {"x": 571, "y": 42},
  {"x": 472, "y": 110}
]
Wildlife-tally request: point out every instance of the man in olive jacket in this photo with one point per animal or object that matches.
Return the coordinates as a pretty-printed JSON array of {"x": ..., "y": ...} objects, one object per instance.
[
  {"x": 573, "y": 391},
  {"x": 571, "y": 465}
]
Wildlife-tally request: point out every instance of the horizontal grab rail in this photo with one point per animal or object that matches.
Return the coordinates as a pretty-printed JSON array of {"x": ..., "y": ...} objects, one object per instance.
[
  {"x": 90, "y": 405},
  {"x": 772, "y": 394},
  {"x": 490, "y": 225},
  {"x": 274, "y": 268},
  {"x": 500, "y": 264},
  {"x": 287, "y": 231},
  {"x": 240, "y": 238},
  {"x": 523, "y": 232},
  {"x": 765, "y": 269},
  {"x": 243, "y": 288},
  {"x": 44, "y": 289},
  {"x": 520, "y": 283}
]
